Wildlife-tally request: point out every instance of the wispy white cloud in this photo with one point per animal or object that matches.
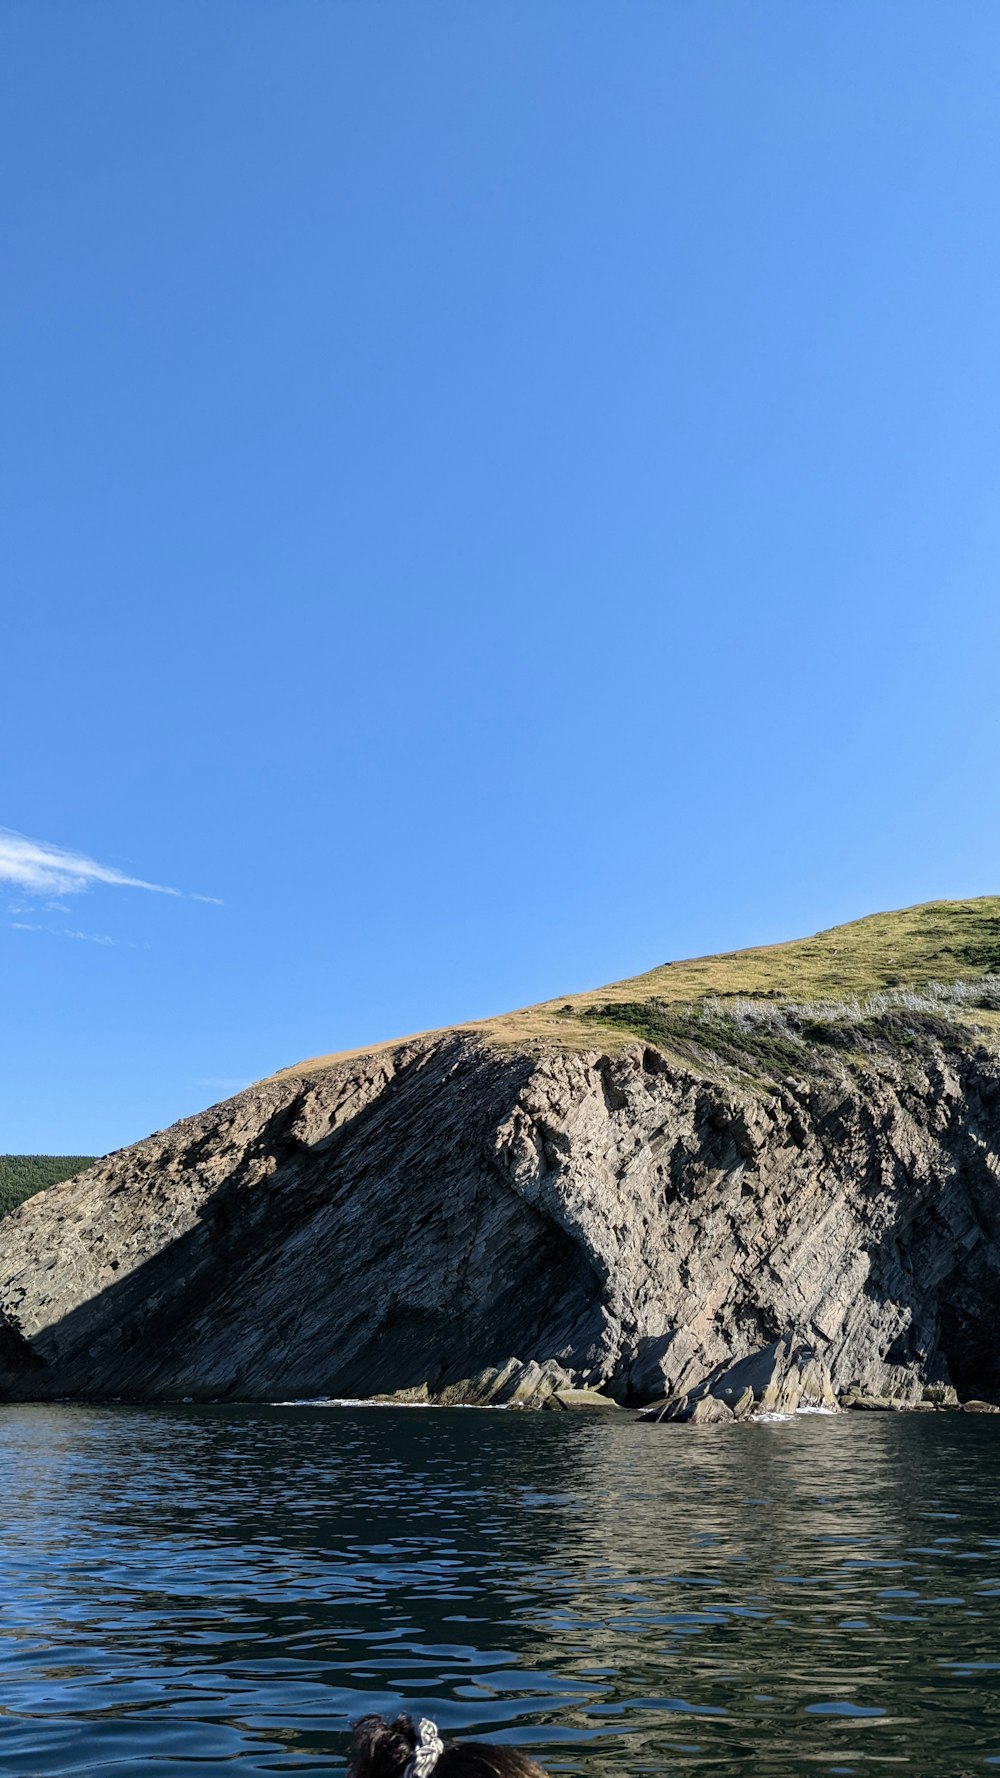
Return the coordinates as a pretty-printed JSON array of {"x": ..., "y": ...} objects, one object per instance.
[
  {"x": 44, "y": 869},
  {"x": 90, "y": 938}
]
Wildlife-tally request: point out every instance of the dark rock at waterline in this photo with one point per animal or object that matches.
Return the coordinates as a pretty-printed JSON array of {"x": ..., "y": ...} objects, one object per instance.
[
  {"x": 872, "y": 1404},
  {"x": 413, "y": 1219},
  {"x": 688, "y": 1410}
]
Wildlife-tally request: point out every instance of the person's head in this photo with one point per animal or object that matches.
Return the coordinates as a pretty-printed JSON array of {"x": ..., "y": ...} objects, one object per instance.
[{"x": 381, "y": 1749}]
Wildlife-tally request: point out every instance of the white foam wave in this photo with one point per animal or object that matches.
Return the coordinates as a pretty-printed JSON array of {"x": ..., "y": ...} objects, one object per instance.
[{"x": 367, "y": 1401}]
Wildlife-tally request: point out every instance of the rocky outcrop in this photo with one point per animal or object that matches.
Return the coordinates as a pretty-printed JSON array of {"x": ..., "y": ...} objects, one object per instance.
[
  {"x": 784, "y": 1377},
  {"x": 413, "y": 1219}
]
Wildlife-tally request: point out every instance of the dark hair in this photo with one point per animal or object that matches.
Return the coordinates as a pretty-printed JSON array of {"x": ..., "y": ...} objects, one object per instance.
[{"x": 381, "y": 1749}]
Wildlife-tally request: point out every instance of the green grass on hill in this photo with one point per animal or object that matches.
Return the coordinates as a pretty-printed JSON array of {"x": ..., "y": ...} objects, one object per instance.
[
  {"x": 888, "y": 983},
  {"x": 941, "y": 941},
  {"x": 23, "y": 1174}
]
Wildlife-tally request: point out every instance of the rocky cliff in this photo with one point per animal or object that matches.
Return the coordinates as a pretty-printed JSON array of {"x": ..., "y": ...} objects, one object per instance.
[{"x": 475, "y": 1219}]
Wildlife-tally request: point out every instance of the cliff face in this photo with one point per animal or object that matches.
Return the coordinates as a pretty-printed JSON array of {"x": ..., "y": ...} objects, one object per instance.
[{"x": 423, "y": 1215}]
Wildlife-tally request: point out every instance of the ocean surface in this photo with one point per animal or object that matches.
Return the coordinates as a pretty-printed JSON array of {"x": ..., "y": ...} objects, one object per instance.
[{"x": 206, "y": 1591}]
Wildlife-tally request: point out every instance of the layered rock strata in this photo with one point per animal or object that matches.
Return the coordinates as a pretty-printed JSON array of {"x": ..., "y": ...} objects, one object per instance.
[{"x": 472, "y": 1224}]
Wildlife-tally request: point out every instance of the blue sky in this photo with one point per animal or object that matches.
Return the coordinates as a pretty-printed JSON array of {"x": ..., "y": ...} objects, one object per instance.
[{"x": 493, "y": 497}]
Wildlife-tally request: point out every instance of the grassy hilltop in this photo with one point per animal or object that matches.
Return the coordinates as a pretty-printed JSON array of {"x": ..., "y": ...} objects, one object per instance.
[
  {"x": 827, "y": 988},
  {"x": 21, "y": 1175},
  {"x": 939, "y": 941}
]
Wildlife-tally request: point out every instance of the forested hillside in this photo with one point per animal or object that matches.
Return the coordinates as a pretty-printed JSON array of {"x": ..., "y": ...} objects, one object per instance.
[{"x": 23, "y": 1174}]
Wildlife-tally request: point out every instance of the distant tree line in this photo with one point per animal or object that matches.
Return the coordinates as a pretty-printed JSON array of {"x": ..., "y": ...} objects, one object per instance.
[{"x": 23, "y": 1174}]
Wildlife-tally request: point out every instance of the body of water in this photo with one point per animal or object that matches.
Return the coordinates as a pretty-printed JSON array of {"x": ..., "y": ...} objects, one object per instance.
[{"x": 202, "y": 1591}]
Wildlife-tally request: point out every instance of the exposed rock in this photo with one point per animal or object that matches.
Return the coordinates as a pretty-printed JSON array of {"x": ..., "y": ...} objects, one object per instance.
[
  {"x": 578, "y": 1398},
  {"x": 780, "y": 1378},
  {"x": 873, "y": 1404},
  {"x": 513, "y": 1384},
  {"x": 979, "y": 1407},
  {"x": 710, "y": 1412},
  {"x": 783, "y": 1376},
  {"x": 655, "y": 1410},
  {"x": 940, "y": 1395},
  {"x": 690, "y": 1410},
  {"x": 410, "y": 1219}
]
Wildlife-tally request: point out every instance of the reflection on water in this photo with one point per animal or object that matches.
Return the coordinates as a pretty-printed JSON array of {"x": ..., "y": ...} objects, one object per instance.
[{"x": 199, "y": 1590}]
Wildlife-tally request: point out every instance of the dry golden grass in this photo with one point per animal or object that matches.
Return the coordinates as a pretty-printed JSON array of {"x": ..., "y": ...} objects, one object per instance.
[
  {"x": 937, "y": 941},
  {"x": 944, "y": 941}
]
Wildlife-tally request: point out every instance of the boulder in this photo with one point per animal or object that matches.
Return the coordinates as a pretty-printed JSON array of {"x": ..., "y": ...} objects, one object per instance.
[
  {"x": 561, "y": 1399},
  {"x": 709, "y": 1411},
  {"x": 690, "y": 1410}
]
